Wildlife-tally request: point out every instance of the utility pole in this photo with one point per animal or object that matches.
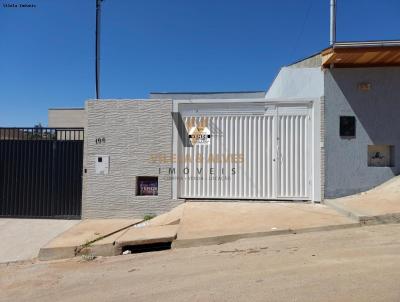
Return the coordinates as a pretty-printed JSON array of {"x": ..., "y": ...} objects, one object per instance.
[
  {"x": 98, "y": 13},
  {"x": 333, "y": 23}
]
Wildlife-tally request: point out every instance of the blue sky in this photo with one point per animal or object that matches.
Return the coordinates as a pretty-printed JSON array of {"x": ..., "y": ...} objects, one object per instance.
[{"x": 47, "y": 52}]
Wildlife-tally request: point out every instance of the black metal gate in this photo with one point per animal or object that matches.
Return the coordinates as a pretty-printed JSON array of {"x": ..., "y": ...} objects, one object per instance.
[{"x": 41, "y": 172}]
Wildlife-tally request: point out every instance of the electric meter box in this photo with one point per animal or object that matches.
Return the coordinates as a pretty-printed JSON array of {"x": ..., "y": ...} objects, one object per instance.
[{"x": 102, "y": 164}]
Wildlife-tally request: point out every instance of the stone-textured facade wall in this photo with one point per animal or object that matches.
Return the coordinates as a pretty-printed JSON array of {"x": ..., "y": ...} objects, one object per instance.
[{"x": 129, "y": 131}]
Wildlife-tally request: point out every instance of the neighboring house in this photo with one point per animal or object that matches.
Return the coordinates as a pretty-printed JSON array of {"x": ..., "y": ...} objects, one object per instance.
[
  {"x": 67, "y": 118},
  {"x": 12, "y": 133},
  {"x": 327, "y": 127}
]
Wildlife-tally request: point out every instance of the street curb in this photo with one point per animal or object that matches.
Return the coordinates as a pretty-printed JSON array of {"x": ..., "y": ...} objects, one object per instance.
[
  {"x": 364, "y": 218},
  {"x": 55, "y": 253},
  {"x": 184, "y": 243},
  {"x": 341, "y": 210},
  {"x": 380, "y": 219}
]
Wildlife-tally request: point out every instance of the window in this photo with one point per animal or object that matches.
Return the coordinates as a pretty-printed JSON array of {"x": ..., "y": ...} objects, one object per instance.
[
  {"x": 146, "y": 185},
  {"x": 348, "y": 126},
  {"x": 380, "y": 156}
]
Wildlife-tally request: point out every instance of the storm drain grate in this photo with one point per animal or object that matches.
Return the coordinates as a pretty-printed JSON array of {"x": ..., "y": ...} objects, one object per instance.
[{"x": 144, "y": 248}]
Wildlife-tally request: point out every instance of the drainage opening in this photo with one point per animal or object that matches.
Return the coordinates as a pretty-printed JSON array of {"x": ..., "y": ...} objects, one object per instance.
[{"x": 144, "y": 248}]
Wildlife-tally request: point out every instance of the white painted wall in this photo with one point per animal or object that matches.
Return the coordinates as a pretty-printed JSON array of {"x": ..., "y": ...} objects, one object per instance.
[
  {"x": 307, "y": 83},
  {"x": 233, "y": 106}
]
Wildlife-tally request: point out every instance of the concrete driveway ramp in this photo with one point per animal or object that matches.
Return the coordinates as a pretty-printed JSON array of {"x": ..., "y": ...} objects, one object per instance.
[
  {"x": 376, "y": 206},
  {"x": 220, "y": 222},
  {"x": 107, "y": 237},
  {"x": 81, "y": 236},
  {"x": 170, "y": 218},
  {"x": 194, "y": 224},
  {"x": 146, "y": 236}
]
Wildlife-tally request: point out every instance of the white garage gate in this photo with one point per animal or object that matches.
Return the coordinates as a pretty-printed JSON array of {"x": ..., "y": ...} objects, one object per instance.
[{"x": 259, "y": 151}]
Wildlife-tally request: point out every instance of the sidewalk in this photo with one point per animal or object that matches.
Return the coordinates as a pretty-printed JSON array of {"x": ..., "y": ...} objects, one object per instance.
[
  {"x": 219, "y": 222},
  {"x": 379, "y": 205},
  {"x": 194, "y": 224},
  {"x": 21, "y": 239},
  {"x": 87, "y": 233},
  {"x": 203, "y": 223},
  {"x": 107, "y": 237}
]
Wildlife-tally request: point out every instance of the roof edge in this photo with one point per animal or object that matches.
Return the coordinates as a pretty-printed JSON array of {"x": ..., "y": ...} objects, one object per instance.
[
  {"x": 66, "y": 108},
  {"x": 372, "y": 43},
  {"x": 211, "y": 92}
]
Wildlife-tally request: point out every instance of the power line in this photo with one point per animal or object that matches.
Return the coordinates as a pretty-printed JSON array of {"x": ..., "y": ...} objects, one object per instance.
[{"x": 300, "y": 35}]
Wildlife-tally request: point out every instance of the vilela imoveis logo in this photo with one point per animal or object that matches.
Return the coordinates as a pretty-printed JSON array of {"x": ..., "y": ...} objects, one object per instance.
[{"x": 199, "y": 132}]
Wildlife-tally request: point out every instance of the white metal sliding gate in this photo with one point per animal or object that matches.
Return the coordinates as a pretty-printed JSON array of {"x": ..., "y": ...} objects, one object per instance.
[{"x": 251, "y": 156}]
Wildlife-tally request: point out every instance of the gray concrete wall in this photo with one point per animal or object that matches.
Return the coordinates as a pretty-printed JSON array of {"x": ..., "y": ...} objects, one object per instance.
[
  {"x": 66, "y": 117},
  {"x": 377, "y": 122},
  {"x": 297, "y": 82},
  {"x": 313, "y": 61},
  {"x": 133, "y": 130}
]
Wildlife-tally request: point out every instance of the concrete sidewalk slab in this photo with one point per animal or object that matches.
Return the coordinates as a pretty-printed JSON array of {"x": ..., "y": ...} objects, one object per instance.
[
  {"x": 22, "y": 238},
  {"x": 146, "y": 235},
  {"x": 170, "y": 218},
  {"x": 194, "y": 224},
  {"x": 220, "y": 222},
  {"x": 112, "y": 245},
  {"x": 68, "y": 244},
  {"x": 379, "y": 205},
  {"x": 216, "y": 240},
  {"x": 104, "y": 246}
]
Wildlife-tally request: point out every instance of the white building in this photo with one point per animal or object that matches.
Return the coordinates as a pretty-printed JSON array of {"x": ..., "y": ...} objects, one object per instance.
[{"x": 327, "y": 127}]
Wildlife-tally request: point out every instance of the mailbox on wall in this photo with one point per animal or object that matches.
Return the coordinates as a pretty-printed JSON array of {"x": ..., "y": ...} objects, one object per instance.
[{"x": 102, "y": 164}]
